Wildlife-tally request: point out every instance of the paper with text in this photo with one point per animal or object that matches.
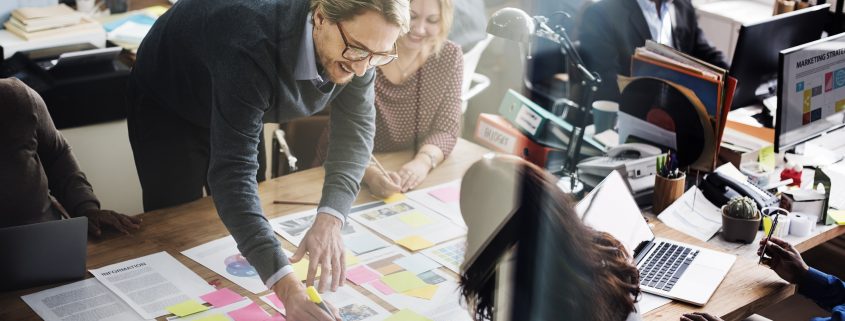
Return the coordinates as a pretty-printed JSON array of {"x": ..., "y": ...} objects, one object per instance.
[
  {"x": 84, "y": 300},
  {"x": 701, "y": 222},
  {"x": 222, "y": 257}
]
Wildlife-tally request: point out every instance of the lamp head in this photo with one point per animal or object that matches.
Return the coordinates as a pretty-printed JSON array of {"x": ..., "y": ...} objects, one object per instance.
[{"x": 511, "y": 23}]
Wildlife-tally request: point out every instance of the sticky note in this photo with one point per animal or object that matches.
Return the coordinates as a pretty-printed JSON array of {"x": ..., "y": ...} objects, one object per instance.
[
  {"x": 381, "y": 287},
  {"x": 406, "y": 315},
  {"x": 251, "y": 312},
  {"x": 361, "y": 275},
  {"x": 351, "y": 259},
  {"x": 222, "y": 297},
  {"x": 398, "y": 197},
  {"x": 415, "y": 243},
  {"x": 449, "y": 194},
  {"x": 301, "y": 269},
  {"x": 186, "y": 308},
  {"x": 427, "y": 292},
  {"x": 277, "y": 317},
  {"x": 415, "y": 219},
  {"x": 767, "y": 158},
  {"x": 837, "y": 216},
  {"x": 364, "y": 242},
  {"x": 417, "y": 263},
  {"x": 214, "y": 317},
  {"x": 274, "y": 302},
  {"x": 403, "y": 281},
  {"x": 156, "y": 10}
]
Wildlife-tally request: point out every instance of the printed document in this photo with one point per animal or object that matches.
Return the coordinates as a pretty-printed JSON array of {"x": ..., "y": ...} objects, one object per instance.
[
  {"x": 84, "y": 300},
  {"x": 151, "y": 283},
  {"x": 222, "y": 256},
  {"x": 693, "y": 215}
]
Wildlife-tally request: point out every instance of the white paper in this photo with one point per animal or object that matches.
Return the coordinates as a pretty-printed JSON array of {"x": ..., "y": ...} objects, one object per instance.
[
  {"x": 354, "y": 306},
  {"x": 221, "y": 310},
  {"x": 701, "y": 222},
  {"x": 387, "y": 220},
  {"x": 357, "y": 238},
  {"x": 451, "y": 210},
  {"x": 151, "y": 283},
  {"x": 130, "y": 31},
  {"x": 84, "y": 300},
  {"x": 222, "y": 257},
  {"x": 446, "y": 298},
  {"x": 450, "y": 254},
  {"x": 650, "y": 302},
  {"x": 836, "y": 173},
  {"x": 630, "y": 125}
]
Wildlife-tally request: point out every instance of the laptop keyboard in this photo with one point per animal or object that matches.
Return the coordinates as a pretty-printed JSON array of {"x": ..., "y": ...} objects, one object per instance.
[{"x": 664, "y": 266}]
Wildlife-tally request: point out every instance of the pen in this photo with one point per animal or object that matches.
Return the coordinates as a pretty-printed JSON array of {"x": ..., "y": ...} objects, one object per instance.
[
  {"x": 295, "y": 203},
  {"x": 378, "y": 165},
  {"x": 314, "y": 296},
  {"x": 771, "y": 231}
]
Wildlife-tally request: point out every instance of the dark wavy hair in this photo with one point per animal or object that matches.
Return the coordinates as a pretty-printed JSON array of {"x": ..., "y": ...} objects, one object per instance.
[{"x": 599, "y": 282}]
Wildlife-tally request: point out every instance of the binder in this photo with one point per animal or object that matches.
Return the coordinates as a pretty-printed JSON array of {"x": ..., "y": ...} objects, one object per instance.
[{"x": 497, "y": 133}]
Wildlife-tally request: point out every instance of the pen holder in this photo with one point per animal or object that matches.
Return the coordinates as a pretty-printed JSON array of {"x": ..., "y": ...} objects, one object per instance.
[{"x": 666, "y": 191}]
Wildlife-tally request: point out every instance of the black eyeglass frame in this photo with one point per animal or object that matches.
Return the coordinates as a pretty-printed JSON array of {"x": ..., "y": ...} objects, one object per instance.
[{"x": 392, "y": 56}]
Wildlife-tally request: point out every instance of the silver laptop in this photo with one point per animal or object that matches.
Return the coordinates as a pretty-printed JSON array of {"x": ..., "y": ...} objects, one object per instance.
[
  {"x": 667, "y": 268},
  {"x": 43, "y": 253}
]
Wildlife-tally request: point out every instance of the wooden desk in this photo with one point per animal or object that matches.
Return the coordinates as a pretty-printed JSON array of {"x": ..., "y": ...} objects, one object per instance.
[
  {"x": 747, "y": 288},
  {"x": 180, "y": 228}
]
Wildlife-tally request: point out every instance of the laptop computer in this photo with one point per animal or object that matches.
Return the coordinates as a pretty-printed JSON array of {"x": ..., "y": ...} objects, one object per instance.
[
  {"x": 43, "y": 253},
  {"x": 667, "y": 268}
]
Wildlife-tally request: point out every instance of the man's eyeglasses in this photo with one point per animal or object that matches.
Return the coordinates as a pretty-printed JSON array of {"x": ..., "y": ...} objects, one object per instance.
[{"x": 353, "y": 53}]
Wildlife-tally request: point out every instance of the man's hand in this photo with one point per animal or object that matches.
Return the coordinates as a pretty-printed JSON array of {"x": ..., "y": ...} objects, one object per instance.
[
  {"x": 785, "y": 260},
  {"x": 325, "y": 250},
  {"x": 292, "y": 294},
  {"x": 414, "y": 172},
  {"x": 97, "y": 218},
  {"x": 380, "y": 185},
  {"x": 698, "y": 316}
]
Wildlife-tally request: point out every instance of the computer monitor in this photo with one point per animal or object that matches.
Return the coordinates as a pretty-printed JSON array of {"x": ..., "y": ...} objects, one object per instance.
[
  {"x": 811, "y": 91},
  {"x": 755, "y": 61}
]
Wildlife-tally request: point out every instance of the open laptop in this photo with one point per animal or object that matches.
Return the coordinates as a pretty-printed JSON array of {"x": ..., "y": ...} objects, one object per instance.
[
  {"x": 667, "y": 268},
  {"x": 43, "y": 253}
]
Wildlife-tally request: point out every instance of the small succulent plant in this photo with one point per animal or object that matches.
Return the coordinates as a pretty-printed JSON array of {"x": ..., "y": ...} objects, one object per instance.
[{"x": 741, "y": 207}]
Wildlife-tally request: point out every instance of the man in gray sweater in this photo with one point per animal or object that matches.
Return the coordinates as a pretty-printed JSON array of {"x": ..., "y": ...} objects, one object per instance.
[{"x": 207, "y": 76}]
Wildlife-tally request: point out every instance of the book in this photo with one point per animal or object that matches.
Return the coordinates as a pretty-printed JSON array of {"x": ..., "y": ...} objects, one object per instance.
[
  {"x": 32, "y": 13},
  {"x": 85, "y": 26},
  {"x": 44, "y": 24}
]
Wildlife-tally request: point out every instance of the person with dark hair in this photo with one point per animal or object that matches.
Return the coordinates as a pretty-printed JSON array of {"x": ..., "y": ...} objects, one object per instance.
[
  {"x": 826, "y": 290},
  {"x": 599, "y": 281},
  {"x": 40, "y": 177}
]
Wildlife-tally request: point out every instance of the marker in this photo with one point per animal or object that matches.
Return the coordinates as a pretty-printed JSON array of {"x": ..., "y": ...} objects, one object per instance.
[{"x": 314, "y": 296}]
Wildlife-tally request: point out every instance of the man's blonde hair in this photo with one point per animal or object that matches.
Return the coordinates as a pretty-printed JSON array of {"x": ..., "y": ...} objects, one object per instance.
[{"x": 394, "y": 11}]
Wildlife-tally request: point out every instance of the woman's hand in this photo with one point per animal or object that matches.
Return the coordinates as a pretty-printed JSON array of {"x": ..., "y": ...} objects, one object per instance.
[{"x": 413, "y": 173}]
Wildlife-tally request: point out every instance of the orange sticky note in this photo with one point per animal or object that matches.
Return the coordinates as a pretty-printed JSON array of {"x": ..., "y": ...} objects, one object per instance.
[
  {"x": 415, "y": 243},
  {"x": 427, "y": 292}
]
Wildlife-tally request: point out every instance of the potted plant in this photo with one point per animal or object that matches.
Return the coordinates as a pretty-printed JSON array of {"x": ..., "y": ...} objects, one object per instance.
[{"x": 740, "y": 220}]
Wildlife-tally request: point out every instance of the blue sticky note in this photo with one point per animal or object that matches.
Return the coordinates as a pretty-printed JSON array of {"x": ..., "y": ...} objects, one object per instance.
[
  {"x": 363, "y": 243},
  {"x": 417, "y": 263},
  {"x": 139, "y": 18}
]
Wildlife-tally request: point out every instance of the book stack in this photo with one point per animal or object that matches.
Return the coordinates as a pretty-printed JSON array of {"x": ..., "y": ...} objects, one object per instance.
[{"x": 49, "y": 22}]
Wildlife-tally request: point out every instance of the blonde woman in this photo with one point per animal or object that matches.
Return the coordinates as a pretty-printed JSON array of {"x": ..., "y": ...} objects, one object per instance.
[{"x": 418, "y": 100}]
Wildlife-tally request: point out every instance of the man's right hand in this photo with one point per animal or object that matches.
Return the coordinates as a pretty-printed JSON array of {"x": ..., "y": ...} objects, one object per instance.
[
  {"x": 381, "y": 185},
  {"x": 785, "y": 260},
  {"x": 292, "y": 294}
]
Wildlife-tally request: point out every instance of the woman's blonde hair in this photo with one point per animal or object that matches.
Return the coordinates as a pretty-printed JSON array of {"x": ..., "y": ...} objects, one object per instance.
[
  {"x": 394, "y": 11},
  {"x": 446, "y": 18}
]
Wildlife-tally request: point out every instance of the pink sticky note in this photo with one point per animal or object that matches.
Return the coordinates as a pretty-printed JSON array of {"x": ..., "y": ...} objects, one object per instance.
[
  {"x": 222, "y": 297},
  {"x": 251, "y": 312},
  {"x": 272, "y": 297},
  {"x": 383, "y": 288},
  {"x": 448, "y": 194},
  {"x": 361, "y": 274},
  {"x": 277, "y": 317}
]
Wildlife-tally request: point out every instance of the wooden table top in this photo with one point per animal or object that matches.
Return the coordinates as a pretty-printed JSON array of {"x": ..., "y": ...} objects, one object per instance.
[{"x": 747, "y": 288}]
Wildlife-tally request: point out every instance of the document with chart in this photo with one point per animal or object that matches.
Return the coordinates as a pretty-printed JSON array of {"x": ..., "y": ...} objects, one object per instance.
[
  {"x": 357, "y": 239},
  {"x": 409, "y": 224},
  {"x": 222, "y": 257}
]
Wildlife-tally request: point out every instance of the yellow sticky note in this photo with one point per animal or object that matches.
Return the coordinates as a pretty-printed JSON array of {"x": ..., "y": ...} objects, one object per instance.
[
  {"x": 351, "y": 259},
  {"x": 186, "y": 308},
  {"x": 767, "y": 158},
  {"x": 406, "y": 315},
  {"x": 398, "y": 197},
  {"x": 156, "y": 11},
  {"x": 427, "y": 292},
  {"x": 301, "y": 269},
  {"x": 215, "y": 317},
  {"x": 403, "y": 281},
  {"x": 415, "y": 219},
  {"x": 837, "y": 216},
  {"x": 415, "y": 243}
]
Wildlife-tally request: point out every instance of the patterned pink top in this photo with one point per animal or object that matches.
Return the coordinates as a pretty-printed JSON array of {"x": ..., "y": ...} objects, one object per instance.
[{"x": 425, "y": 109}]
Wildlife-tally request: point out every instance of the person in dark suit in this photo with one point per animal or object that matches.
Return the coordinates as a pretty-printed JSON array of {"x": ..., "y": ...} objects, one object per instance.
[
  {"x": 211, "y": 72},
  {"x": 611, "y": 30}
]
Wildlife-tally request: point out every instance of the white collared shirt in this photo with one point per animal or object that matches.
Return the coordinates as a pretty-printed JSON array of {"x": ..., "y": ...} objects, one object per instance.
[{"x": 660, "y": 26}]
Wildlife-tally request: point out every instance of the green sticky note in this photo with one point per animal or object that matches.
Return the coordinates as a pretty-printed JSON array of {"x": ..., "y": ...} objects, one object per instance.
[
  {"x": 186, "y": 308},
  {"x": 767, "y": 158},
  {"x": 406, "y": 315},
  {"x": 415, "y": 219},
  {"x": 214, "y": 317},
  {"x": 403, "y": 281}
]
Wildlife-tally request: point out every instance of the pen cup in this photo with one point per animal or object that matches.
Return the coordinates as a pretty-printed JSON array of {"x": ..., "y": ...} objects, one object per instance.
[{"x": 667, "y": 191}]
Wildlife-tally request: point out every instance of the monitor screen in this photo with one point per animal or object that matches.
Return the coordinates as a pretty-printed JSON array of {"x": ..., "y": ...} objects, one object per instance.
[
  {"x": 755, "y": 61},
  {"x": 811, "y": 91}
]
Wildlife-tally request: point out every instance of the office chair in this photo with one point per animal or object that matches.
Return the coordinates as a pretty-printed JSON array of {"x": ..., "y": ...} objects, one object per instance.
[
  {"x": 293, "y": 143},
  {"x": 473, "y": 83}
]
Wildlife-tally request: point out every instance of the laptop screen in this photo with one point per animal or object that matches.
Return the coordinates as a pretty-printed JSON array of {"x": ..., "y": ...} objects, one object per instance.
[{"x": 611, "y": 208}]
